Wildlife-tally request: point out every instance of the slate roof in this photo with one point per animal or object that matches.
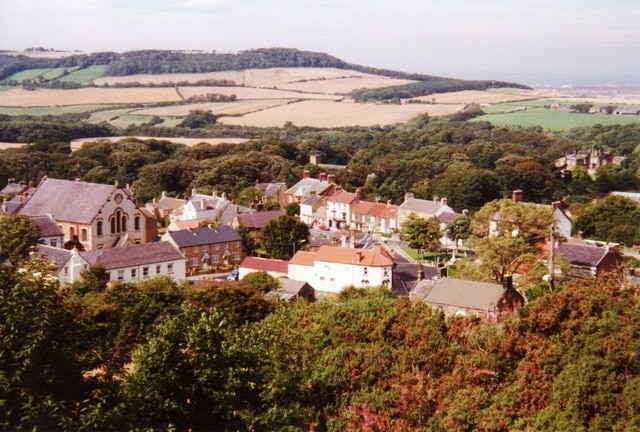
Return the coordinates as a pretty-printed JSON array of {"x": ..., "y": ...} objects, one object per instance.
[
  {"x": 582, "y": 254},
  {"x": 57, "y": 255},
  {"x": 424, "y": 206},
  {"x": 71, "y": 201},
  {"x": 17, "y": 189},
  {"x": 447, "y": 217},
  {"x": 269, "y": 189},
  {"x": 134, "y": 255},
  {"x": 204, "y": 236},
  {"x": 48, "y": 227},
  {"x": 229, "y": 213},
  {"x": 305, "y": 186},
  {"x": 264, "y": 264},
  {"x": 258, "y": 220},
  {"x": 462, "y": 293},
  {"x": 312, "y": 200}
]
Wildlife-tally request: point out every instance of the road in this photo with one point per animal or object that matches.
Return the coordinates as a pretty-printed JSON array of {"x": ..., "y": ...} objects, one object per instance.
[{"x": 405, "y": 273}]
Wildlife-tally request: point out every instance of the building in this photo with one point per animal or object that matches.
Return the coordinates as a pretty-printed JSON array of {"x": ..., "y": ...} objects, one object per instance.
[
  {"x": 207, "y": 246},
  {"x": 273, "y": 192},
  {"x": 165, "y": 206},
  {"x": 590, "y": 159},
  {"x": 292, "y": 290},
  {"x": 307, "y": 186},
  {"x": 273, "y": 267},
  {"x": 91, "y": 215},
  {"x": 256, "y": 221},
  {"x": 50, "y": 233},
  {"x": 313, "y": 211},
  {"x": 339, "y": 208},
  {"x": 331, "y": 269},
  {"x": 590, "y": 259},
  {"x": 200, "y": 206},
  {"x": 459, "y": 297},
  {"x": 374, "y": 217},
  {"x": 421, "y": 208},
  {"x": 127, "y": 263}
]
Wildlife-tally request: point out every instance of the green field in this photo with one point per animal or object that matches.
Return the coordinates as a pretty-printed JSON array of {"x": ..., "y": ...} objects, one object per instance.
[
  {"x": 550, "y": 119},
  {"x": 107, "y": 115},
  {"x": 54, "y": 110},
  {"x": 53, "y": 73},
  {"x": 84, "y": 75},
  {"x": 28, "y": 74}
]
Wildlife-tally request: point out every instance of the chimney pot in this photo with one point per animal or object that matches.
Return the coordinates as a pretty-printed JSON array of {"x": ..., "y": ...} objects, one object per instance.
[
  {"x": 331, "y": 178},
  {"x": 306, "y": 174},
  {"x": 517, "y": 195},
  {"x": 323, "y": 176}
]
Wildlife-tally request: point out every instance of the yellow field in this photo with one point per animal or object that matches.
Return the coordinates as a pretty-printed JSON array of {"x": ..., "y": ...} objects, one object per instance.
[
  {"x": 46, "y": 97},
  {"x": 480, "y": 97},
  {"x": 252, "y": 93},
  {"x": 337, "y": 114},
  {"x": 342, "y": 85},
  {"x": 227, "y": 108},
  {"x": 76, "y": 144},
  {"x": 4, "y": 145}
]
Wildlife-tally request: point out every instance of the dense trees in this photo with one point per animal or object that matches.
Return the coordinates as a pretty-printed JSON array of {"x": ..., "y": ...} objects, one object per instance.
[
  {"x": 614, "y": 219},
  {"x": 18, "y": 236},
  {"x": 421, "y": 233},
  {"x": 282, "y": 237}
]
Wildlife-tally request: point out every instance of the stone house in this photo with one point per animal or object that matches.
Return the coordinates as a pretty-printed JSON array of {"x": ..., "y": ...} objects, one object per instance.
[{"x": 591, "y": 259}]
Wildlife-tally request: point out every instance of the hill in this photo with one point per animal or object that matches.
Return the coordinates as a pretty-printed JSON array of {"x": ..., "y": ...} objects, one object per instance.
[{"x": 172, "y": 62}]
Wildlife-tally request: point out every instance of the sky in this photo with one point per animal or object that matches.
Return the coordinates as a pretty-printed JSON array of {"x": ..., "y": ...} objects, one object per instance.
[{"x": 558, "y": 42}]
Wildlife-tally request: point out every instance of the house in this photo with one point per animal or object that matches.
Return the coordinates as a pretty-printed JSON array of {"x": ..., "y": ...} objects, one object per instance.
[
  {"x": 91, "y": 215},
  {"x": 273, "y": 192},
  {"x": 200, "y": 206},
  {"x": 374, "y": 217},
  {"x": 313, "y": 211},
  {"x": 332, "y": 268},
  {"x": 207, "y": 246},
  {"x": 50, "y": 233},
  {"x": 14, "y": 195},
  {"x": 127, "y": 263},
  {"x": 291, "y": 290},
  {"x": 308, "y": 186},
  {"x": 421, "y": 208},
  {"x": 165, "y": 206},
  {"x": 256, "y": 221},
  {"x": 590, "y": 259},
  {"x": 627, "y": 111},
  {"x": 590, "y": 159},
  {"x": 339, "y": 207},
  {"x": 273, "y": 267},
  {"x": 459, "y": 297}
]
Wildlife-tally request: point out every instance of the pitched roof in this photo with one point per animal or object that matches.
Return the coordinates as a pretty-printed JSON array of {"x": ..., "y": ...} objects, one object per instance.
[
  {"x": 47, "y": 226},
  {"x": 306, "y": 186},
  {"x": 312, "y": 200},
  {"x": 464, "y": 294},
  {"x": 230, "y": 211},
  {"x": 361, "y": 257},
  {"x": 134, "y": 255},
  {"x": 582, "y": 254},
  {"x": 57, "y": 255},
  {"x": 447, "y": 217},
  {"x": 264, "y": 264},
  {"x": 304, "y": 258},
  {"x": 204, "y": 236},
  {"x": 343, "y": 197},
  {"x": 62, "y": 199},
  {"x": 17, "y": 188},
  {"x": 269, "y": 189},
  {"x": 423, "y": 206},
  {"x": 259, "y": 219}
]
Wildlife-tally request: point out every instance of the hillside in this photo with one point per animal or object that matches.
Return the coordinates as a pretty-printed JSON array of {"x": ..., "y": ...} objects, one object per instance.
[{"x": 172, "y": 62}]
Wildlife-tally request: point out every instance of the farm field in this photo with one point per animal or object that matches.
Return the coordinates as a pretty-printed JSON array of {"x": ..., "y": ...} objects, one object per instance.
[
  {"x": 337, "y": 114},
  {"x": 253, "y": 93},
  {"x": 84, "y": 75},
  {"x": 480, "y": 97},
  {"x": 220, "y": 108},
  {"x": 342, "y": 85},
  {"x": 27, "y": 74},
  {"x": 53, "y": 110},
  {"x": 107, "y": 115},
  {"x": 4, "y": 145},
  {"x": 250, "y": 77},
  {"x": 19, "y": 97},
  {"x": 554, "y": 120},
  {"x": 190, "y": 142}
]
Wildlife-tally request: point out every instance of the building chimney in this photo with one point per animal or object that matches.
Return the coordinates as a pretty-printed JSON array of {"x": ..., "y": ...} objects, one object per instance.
[
  {"x": 388, "y": 203},
  {"x": 5, "y": 209},
  {"x": 323, "y": 176},
  {"x": 556, "y": 205},
  {"x": 194, "y": 192},
  {"x": 408, "y": 196},
  {"x": 164, "y": 194},
  {"x": 331, "y": 178},
  {"x": 516, "y": 195},
  {"x": 117, "y": 184},
  {"x": 444, "y": 201},
  {"x": 580, "y": 234},
  {"x": 306, "y": 174},
  {"x": 359, "y": 193}
]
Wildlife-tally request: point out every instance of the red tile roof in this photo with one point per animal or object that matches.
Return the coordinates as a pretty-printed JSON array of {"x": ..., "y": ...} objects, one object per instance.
[
  {"x": 264, "y": 264},
  {"x": 343, "y": 197}
]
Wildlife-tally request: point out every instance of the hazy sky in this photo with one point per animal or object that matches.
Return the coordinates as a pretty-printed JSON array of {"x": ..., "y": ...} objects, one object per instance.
[{"x": 528, "y": 41}]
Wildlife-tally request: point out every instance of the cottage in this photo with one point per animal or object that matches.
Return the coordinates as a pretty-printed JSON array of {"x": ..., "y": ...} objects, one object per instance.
[
  {"x": 308, "y": 186},
  {"x": 291, "y": 290},
  {"x": 200, "y": 206},
  {"x": 273, "y": 192},
  {"x": 333, "y": 268},
  {"x": 50, "y": 233},
  {"x": 339, "y": 207},
  {"x": 374, "y": 217},
  {"x": 165, "y": 206},
  {"x": 91, "y": 215},
  {"x": 459, "y": 297},
  {"x": 207, "y": 246},
  {"x": 421, "y": 208},
  {"x": 256, "y": 221},
  {"x": 590, "y": 259}
]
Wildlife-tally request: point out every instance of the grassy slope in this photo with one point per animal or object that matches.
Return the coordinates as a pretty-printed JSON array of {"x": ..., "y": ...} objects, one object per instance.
[{"x": 84, "y": 75}]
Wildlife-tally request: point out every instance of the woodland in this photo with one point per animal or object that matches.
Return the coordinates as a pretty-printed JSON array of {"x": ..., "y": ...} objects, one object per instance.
[{"x": 224, "y": 356}]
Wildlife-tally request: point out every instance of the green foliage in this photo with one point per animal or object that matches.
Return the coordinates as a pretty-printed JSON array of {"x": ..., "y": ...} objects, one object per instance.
[
  {"x": 261, "y": 281},
  {"x": 281, "y": 236},
  {"x": 421, "y": 233},
  {"x": 18, "y": 236},
  {"x": 198, "y": 119},
  {"x": 614, "y": 219}
]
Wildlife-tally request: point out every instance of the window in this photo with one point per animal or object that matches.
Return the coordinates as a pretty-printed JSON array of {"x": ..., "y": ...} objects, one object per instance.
[
  {"x": 169, "y": 268},
  {"x": 53, "y": 243},
  {"x": 118, "y": 222},
  {"x": 158, "y": 268},
  {"x": 145, "y": 271},
  {"x": 194, "y": 262},
  {"x": 72, "y": 233},
  {"x": 195, "y": 249},
  {"x": 136, "y": 223},
  {"x": 215, "y": 259},
  {"x": 237, "y": 244},
  {"x": 120, "y": 274},
  {"x": 66, "y": 271},
  {"x": 216, "y": 246},
  {"x": 235, "y": 256},
  {"x": 99, "y": 228},
  {"x": 84, "y": 234},
  {"x": 134, "y": 273},
  {"x": 226, "y": 245},
  {"x": 124, "y": 224}
]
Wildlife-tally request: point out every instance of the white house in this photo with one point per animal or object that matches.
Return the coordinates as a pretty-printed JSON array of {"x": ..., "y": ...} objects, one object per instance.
[
  {"x": 331, "y": 269},
  {"x": 421, "y": 208},
  {"x": 339, "y": 207},
  {"x": 200, "y": 206}
]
